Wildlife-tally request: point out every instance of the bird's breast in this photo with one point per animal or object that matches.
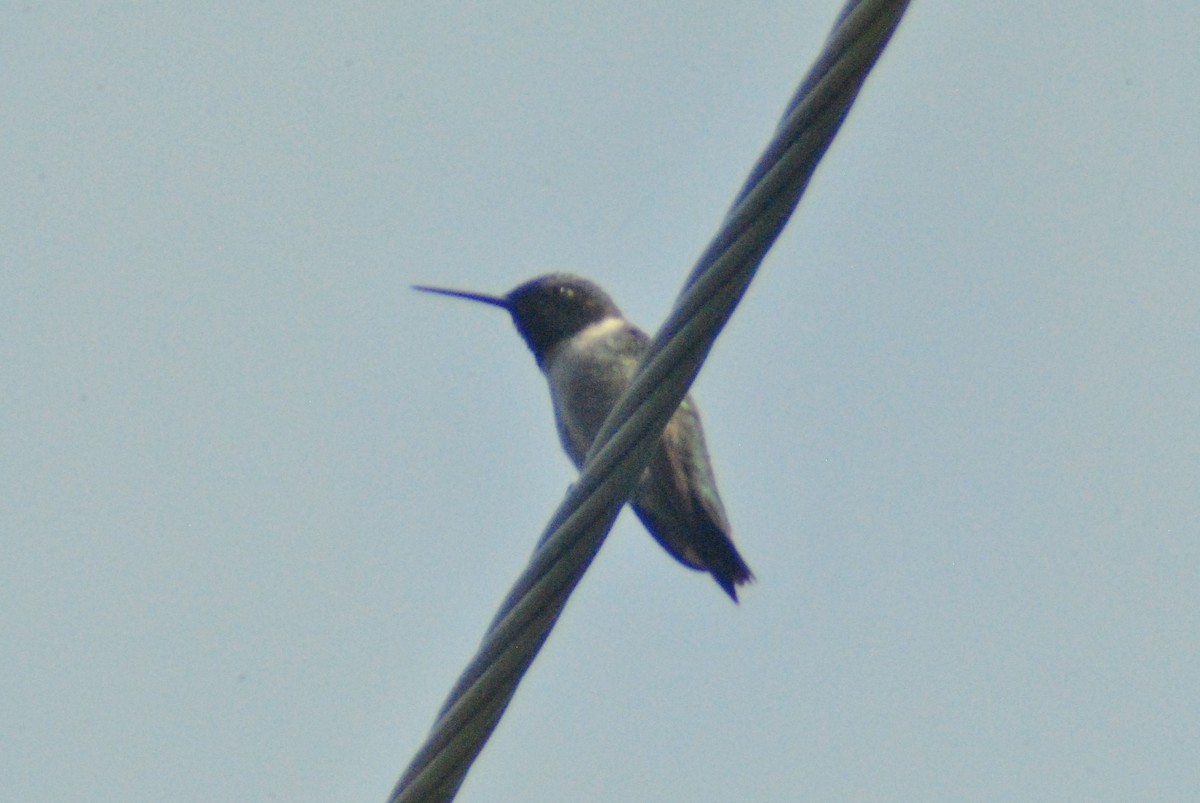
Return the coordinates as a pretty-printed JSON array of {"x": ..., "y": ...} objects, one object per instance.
[{"x": 587, "y": 373}]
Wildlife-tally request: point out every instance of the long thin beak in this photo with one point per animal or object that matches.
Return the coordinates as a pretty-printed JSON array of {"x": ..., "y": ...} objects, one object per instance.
[{"x": 495, "y": 301}]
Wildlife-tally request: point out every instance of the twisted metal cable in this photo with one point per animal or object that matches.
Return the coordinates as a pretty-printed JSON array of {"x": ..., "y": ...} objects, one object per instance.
[{"x": 630, "y": 434}]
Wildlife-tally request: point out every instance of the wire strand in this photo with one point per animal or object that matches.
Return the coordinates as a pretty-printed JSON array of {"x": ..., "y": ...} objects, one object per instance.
[{"x": 630, "y": 434}]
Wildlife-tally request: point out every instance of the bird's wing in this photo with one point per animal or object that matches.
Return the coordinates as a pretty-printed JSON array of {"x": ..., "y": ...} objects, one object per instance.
[{"x": 677, "y": 501}]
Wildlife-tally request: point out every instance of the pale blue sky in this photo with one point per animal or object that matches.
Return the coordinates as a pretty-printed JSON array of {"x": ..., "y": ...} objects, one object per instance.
[{"x": 258, "y": 501}]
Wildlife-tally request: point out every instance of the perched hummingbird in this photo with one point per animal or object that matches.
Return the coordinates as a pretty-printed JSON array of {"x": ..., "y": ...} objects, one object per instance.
[{"x": 588, "y": 353}]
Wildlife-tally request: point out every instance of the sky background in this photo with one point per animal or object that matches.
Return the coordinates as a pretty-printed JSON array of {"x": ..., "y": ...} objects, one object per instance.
[{"x": 259, "y": 501}]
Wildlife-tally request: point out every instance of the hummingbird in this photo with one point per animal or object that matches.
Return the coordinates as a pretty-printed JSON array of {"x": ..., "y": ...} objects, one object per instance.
[{"x": 588, "y": 352}]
